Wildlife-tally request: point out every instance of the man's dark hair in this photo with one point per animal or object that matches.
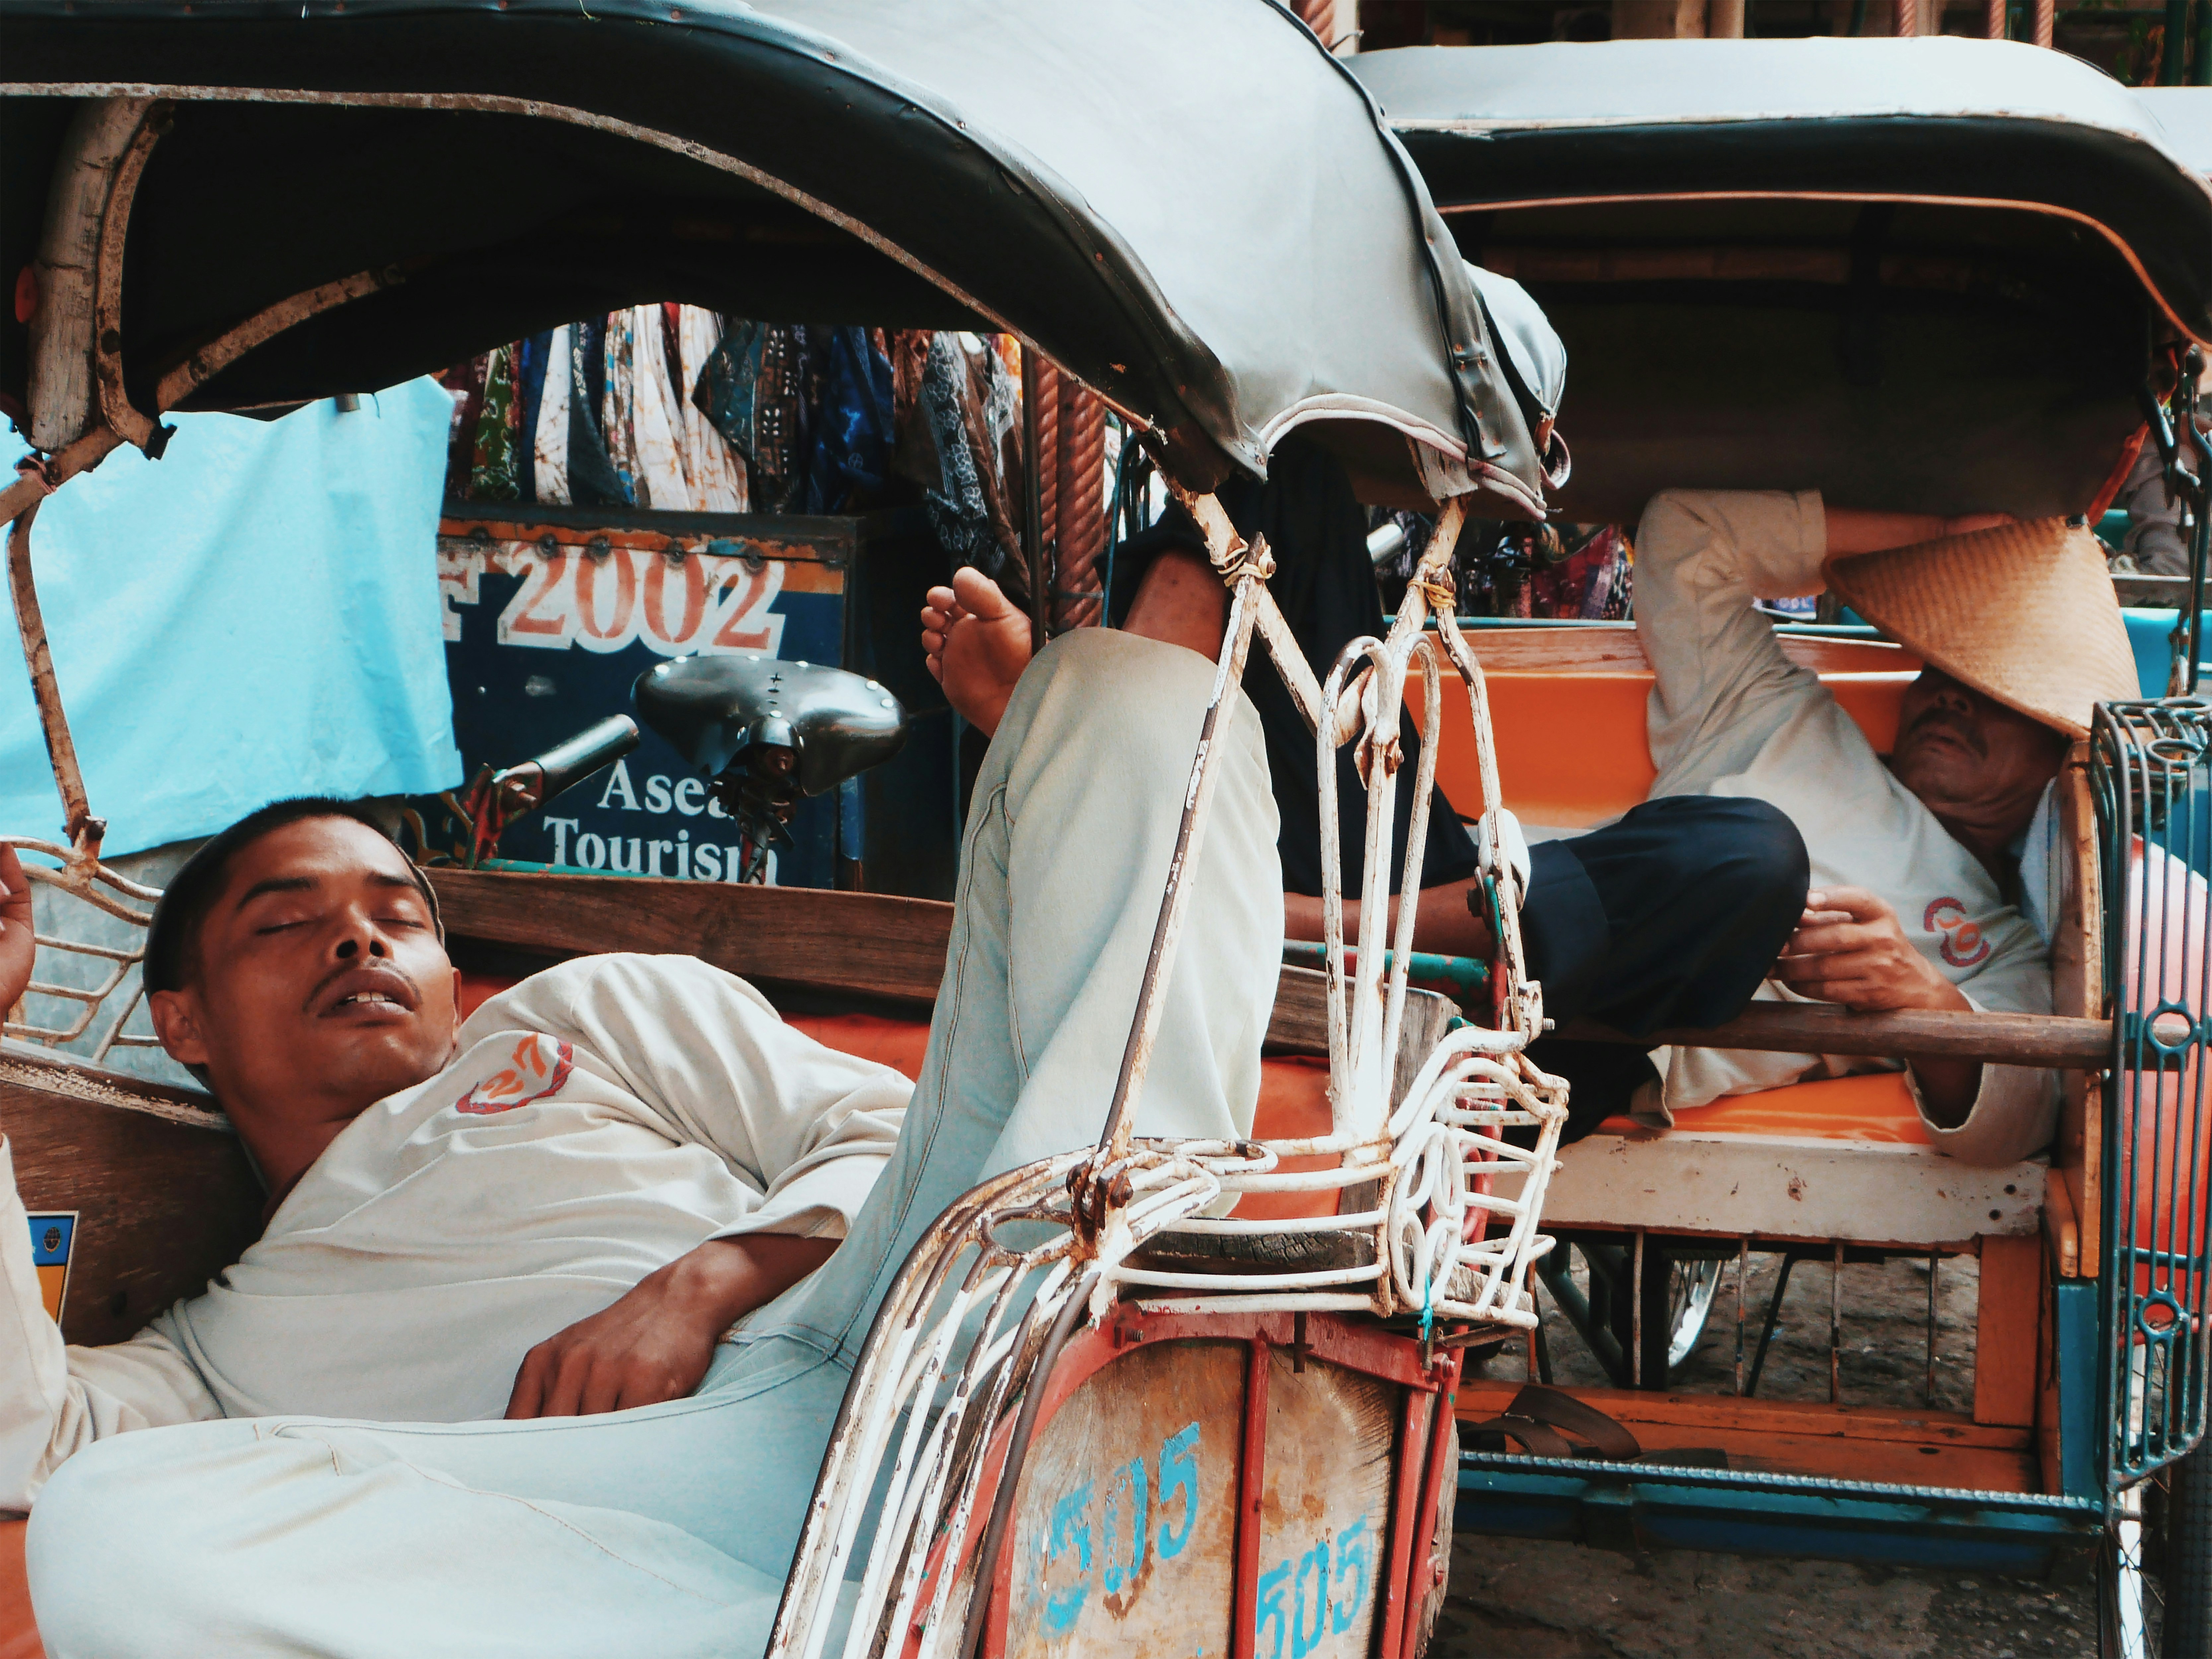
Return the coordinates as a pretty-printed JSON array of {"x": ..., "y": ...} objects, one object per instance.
[{"x": 172, "y": 939}]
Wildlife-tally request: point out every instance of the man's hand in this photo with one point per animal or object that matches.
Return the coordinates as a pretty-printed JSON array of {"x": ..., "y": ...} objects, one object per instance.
[
  {"x": 17, "y": 947},
  {"x": 1850, "y": 948},
  {"x": 656, "y": 1343}
]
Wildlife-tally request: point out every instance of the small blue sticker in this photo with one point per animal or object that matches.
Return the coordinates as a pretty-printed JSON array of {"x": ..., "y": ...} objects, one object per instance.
[{"x": 50, "y": 1239}]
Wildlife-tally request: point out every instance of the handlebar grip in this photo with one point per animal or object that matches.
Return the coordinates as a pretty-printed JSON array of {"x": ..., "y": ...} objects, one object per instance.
[{"x": 570, "y": 761}]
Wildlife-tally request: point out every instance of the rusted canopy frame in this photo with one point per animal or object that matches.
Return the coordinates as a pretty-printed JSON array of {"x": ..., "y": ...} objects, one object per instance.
[{"x": 80, "y": 411}]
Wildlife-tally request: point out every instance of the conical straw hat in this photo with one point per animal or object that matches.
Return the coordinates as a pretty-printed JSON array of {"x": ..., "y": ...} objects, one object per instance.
[{"x": 2022, "y": 612}]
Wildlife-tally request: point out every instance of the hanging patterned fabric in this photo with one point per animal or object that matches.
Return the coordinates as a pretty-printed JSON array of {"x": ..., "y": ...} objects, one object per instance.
[
  {"x": 1578, "y": 570},
  {"x": 616, "y": 407},
  {"x": 464, "y": 383},
  {"x": 855, "y": 425},
  {"x": 715, "y": 469},
  {"x": 753, "y": 391},
  {"x": 657, "y": 468},
  {"x": 549, "y": 433},
  {"x": 532, "y": 353},
  {"x": 492, "y": 471},
  {"x": 968, "y": 509},
  {"x": 592, "y": 480}
]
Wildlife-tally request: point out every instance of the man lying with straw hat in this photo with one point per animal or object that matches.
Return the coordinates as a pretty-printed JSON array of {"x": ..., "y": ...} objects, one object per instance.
[{"x": 1930, "y": 873}]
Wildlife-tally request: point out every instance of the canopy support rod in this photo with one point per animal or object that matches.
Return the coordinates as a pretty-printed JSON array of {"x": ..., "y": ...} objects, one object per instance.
[
  {"x": 105, "y": 148},
  {"x": 115, "y": 406},
  {"x": 35, "y": 484},
  {"x": 85, "y": 831},
  {"x": 1248, "y": 588}
]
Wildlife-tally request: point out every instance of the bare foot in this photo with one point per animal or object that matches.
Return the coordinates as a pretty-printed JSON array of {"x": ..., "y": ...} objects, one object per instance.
[{"x": 977, "y": 644}]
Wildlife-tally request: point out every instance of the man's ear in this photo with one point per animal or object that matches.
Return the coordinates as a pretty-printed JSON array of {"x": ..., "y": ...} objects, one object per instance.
[{"x": 176, "y": 1021}]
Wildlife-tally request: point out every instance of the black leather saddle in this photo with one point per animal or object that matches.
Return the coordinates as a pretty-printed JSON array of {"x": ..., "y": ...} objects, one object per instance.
[{"x": 719, "y": 711}]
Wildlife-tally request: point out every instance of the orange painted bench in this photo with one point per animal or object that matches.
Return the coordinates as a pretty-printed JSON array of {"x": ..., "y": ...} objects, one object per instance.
[{"x": 1568, "y": 707}]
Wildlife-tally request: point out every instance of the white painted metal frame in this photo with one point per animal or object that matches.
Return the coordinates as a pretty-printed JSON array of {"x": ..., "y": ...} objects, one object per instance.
[{"x": 1438, "y": 1223}]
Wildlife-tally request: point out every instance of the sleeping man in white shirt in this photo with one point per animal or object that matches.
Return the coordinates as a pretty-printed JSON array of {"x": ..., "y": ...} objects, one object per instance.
[
  {"x": 1929, "y": 879},
  {"x": 552, "y": 1212}
]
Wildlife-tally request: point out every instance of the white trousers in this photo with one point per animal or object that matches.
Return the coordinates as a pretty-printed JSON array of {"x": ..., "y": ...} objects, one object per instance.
[{"x": 669, "y": 1529}]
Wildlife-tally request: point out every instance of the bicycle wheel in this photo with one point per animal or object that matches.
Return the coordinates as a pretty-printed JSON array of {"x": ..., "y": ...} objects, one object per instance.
[
  {"x": 2154, "y": 1572},
  {"x": 1691, "y": 1288}
]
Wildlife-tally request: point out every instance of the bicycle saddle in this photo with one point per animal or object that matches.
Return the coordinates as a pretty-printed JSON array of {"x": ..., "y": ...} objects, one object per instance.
[{"x": 716, "y": 710}]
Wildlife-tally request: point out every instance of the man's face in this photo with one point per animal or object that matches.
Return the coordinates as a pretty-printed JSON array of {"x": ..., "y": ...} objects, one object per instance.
[
  {"x": 1969, "y": 756},
  {"x": 320, "y": 986}
]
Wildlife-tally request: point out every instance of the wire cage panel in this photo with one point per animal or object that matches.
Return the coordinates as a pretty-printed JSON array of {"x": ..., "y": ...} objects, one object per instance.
[{"x": 2151, "y": 773}]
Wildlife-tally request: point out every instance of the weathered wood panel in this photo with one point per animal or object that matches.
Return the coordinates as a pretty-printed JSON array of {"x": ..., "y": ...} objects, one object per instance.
[
  {"x": 1125, "y": 1527},
  {"x": 162, "y": 1207},
  {"x": 1613, "y": 648},
  {"x": 866, "y": 943},
  {"x": 1324, "y": 1510}
]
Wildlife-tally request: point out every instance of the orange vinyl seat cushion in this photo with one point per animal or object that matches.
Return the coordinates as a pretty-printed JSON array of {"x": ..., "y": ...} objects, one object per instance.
[
  {"x": 1874, "y": 1106},
  {"x": 1572, "y": 749}
]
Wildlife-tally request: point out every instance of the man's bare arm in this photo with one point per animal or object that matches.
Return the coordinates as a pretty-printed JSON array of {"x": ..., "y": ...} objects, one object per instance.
[
  {"x": 656, "y": 1343},
  {"x": 1444, "y": 922}
]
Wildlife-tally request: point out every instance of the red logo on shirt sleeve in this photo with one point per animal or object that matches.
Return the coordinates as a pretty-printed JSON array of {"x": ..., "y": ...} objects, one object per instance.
[
  {"x": 541, "y": 1065},
  {"x": 1963, "y": 944}
]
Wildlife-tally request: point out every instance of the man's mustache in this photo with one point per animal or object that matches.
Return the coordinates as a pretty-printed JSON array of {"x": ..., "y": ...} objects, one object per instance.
[
  {"x": 374, "y": 968},
  {"x": 1965, "y": 729}
]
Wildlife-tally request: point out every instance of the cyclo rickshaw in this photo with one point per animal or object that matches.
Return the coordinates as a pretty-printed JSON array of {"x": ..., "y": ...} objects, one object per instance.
[
  {"x": 1933, "y": 276},
  {"x": 262, "y": 204}
]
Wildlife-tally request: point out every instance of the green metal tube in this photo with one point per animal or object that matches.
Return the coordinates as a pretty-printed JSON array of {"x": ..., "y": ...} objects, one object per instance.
[
  {"x": 2175, "y": 48},
  {"x": 1467, "y": 973}
]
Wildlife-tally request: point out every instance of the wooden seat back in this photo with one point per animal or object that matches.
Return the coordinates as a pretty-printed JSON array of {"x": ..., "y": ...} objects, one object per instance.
[{"x": 1568, "y": 706}]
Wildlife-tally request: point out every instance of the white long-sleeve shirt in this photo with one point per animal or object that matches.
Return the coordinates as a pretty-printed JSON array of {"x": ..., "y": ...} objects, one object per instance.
[
  {"x": 1730, "y": 714},
  {"x": 598, "y": 1121}
]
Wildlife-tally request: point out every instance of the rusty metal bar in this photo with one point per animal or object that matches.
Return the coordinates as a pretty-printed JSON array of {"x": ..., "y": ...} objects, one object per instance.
[
  {"x": 116, "y": 409},
  {"x": 84, "y": 830},
  {"x": 1836, "y": 1326},
  {"x": 226, "y": 349},
  {"x": 1824, "y": 1027},
  {"x": 1033, "y": 466},
  {"x": 1190, "y": 835}
]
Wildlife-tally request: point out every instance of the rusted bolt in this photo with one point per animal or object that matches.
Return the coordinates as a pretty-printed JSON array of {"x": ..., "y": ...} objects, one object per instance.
[
  {"x": 547, "y": 545},
  {"x": 111, "y": 341},
  {"x": 599, "y": 548}
]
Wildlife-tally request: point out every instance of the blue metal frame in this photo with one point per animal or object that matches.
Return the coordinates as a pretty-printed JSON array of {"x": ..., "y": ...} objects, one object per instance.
[
  {"x": 2149, "y": 769},
  {"x": 1636, "y": 1506}
]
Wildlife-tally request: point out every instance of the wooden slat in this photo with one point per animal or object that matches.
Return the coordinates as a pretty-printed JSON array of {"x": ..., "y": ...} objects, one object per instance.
[
  {"x": 2011, "y": 1299},
  {"x": 162, "y": 1207},
  {"x": 1848, "y": 1443},
  {"x": 869, "y": 944},
  {"x": 1819, "y": 1028},
  {"x": 1612, "y": 648}
]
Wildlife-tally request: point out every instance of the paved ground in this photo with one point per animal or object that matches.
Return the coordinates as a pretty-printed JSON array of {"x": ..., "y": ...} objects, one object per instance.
[{"x": 1511, "y": 1600}]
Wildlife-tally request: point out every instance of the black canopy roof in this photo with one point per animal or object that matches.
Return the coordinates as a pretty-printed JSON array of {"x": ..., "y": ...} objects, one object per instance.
[
  {"x": 1921, "y": 274},
  {"x": 1187, "y": 203}
]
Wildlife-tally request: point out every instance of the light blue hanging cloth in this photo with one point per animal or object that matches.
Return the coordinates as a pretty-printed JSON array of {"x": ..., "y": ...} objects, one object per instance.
[{"x": 254, "y": 616}]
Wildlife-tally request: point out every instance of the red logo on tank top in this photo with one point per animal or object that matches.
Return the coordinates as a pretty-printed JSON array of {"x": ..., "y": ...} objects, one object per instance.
[
  {"x": 541, "y": 1065},
  {"x": 1962, "y": 943}
]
